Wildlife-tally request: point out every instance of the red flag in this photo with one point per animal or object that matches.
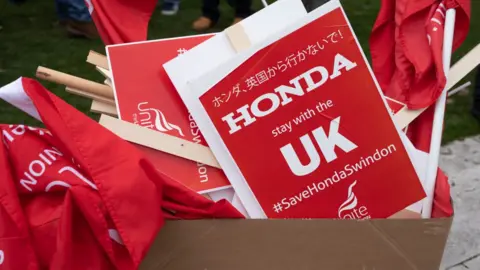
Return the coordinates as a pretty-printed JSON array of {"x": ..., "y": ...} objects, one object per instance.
[
  {"x": 79, "y": 197},
  {"x": 403, "y": 60},
  {"x": 406, "y": 46},
  {"x": 121, "y": 21}
]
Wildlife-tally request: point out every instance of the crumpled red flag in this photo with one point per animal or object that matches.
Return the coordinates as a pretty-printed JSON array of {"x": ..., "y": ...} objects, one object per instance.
[
  {"x": 76, "y": 196},
  {"x": 406, "y": 65},
  {"x": 121, "y": 21},
  {"x": 406, "y": 45}
]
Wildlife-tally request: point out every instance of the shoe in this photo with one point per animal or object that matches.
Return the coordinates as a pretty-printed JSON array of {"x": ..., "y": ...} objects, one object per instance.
[
  {"x": 170, "y": 8},
  {"x": 237, "y": 20},
  {"x": 202, "y": 24},
  {"x": 82, "y": 29}
]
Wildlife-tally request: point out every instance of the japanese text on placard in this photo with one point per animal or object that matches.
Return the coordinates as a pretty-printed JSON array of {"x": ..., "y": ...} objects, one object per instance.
[{"x": 281, "y": 66}]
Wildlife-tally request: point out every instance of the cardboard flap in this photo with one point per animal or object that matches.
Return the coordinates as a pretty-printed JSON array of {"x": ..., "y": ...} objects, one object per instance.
[{"x": 299, "y": 244}]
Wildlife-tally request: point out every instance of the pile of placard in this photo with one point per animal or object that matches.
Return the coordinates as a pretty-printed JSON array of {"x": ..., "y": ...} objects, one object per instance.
[{"x": 280, "y": 115}]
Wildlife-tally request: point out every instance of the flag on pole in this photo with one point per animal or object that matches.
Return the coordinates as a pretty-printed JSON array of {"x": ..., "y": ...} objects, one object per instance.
[
  {"x": 403, "y": 60},
  {"x": 406, "y": 46},
  {"x": 120, "y": 21}
]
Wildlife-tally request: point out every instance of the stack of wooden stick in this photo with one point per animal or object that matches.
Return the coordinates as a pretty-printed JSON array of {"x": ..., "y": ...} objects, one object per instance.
[
  {"x": 103, "y": 102},
  {"x": 102, "y": 96}
]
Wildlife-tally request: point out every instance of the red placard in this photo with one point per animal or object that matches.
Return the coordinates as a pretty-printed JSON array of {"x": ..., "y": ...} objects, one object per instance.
[
  {"x": 306, "y": 125},
  {"x": 146, "y": 96}
]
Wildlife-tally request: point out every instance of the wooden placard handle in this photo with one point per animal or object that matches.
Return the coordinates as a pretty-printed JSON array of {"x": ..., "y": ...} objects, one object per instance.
[
  {"x": 105, "y": 72},
  {"x": 463, "y": 66},
  {"x": 160, "y": 141},
  {"x": 81, "y": 93},
  {"x": 103, "y": 108},
  {"x": 74, "y": 82},
  {"x": 238, "y": 37},
  {"x": 97, "y": 59}
]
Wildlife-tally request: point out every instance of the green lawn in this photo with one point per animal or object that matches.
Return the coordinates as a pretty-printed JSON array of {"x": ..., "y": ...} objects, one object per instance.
[{"x": 30, "y": 37}]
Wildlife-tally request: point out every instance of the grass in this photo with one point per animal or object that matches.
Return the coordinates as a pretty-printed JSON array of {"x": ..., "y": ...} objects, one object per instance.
[{"x": 30, "y": 37}]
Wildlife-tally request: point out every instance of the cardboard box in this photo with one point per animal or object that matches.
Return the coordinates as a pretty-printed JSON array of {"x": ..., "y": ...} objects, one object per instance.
[{"x": 380, "y": 244}]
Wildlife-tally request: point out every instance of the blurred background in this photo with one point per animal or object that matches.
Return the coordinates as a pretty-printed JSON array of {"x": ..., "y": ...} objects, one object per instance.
[{"x": 33, "y": 33}]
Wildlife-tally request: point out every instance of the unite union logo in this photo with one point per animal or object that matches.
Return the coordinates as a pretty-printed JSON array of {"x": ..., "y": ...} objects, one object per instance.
[
  {"x": 154, "y": 118},
  {"x": 350, "y": 208}
]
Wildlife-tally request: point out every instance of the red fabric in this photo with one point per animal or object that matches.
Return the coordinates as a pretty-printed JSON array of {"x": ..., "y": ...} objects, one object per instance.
[
  {"x": 420, "y": 132},
  {"x": 402, "y": 58},
  {"x": 406, "y": 45},
  {"x": 66, "y": 193},
  {"x": 121, "y": 21},
  {"x": 442, "y": 204}
]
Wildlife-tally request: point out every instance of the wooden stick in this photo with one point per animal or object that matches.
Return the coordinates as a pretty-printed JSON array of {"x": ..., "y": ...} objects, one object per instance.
[
  {"x": 458, "y": 89},
  {"x": 463, "y": 66},
  {"x": 105, "y": 72},
  {"x": 405, "y": 116},
  {"x": 108, "y": 82},
  {"x": 458, "y": 71},
  {"x": 159, "y": 141},
  {"x": 238, "y": 37},
  {"x": 103, "y": 108},
  {"x": 97, "y": 59},
  {"x": 74, "y": 82},
  {"x": 90, "y": 95}
]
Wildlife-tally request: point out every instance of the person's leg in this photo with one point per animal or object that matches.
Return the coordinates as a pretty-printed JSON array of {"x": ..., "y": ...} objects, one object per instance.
[
  {"x": 243, "y": 8},
  {"x": 170, "y": 7},
  {"x": 75, "y": 15},
  {"x": 476, "y": 96},
  {"x": 62, "y": 11},
  {"x": 210, "y": 15},
  {"x": 313, "y": 4},
  {"x": 78, "y": 11},
  {"x": 210, "y": 9}
]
